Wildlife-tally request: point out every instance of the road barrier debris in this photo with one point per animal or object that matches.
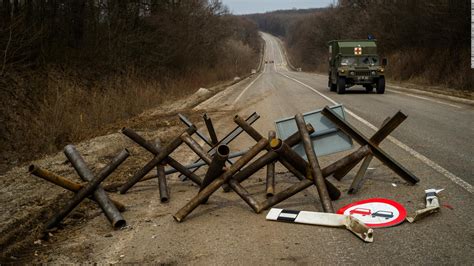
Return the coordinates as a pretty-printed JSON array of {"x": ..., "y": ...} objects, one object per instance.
[
  {"x": 432, "y": 205},
  {"x": 270, "y": 181},
  {"x": 298, "y": 153},
  {"x": 159, "y": 158},
  {"x": 91, "y": 189},
  {"x": 324, "y": 219},
  {"x": 65, "y": 183}
]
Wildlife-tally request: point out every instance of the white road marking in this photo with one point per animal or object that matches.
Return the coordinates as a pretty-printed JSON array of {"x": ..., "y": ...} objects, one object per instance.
[
  {"x": 424, "y": 98},
  {"x": 400, "y": 144},
  {"x": 246, "y": 88}
]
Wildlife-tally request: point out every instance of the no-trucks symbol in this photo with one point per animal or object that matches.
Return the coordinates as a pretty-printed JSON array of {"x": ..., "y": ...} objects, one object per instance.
[{"x": 376, "y": 212}]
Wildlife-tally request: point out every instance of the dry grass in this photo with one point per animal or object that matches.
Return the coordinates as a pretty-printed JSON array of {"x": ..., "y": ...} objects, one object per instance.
[{"x": 69, "y": 109}]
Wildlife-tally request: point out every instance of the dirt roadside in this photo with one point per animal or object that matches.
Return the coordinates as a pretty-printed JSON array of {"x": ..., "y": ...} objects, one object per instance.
[
  {"x": 27, "y": 201},
  {"x": 226, "y": 231}
]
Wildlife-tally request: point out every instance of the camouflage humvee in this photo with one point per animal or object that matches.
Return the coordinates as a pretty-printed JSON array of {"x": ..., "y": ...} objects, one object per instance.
[{"x": 355, "y": 62}]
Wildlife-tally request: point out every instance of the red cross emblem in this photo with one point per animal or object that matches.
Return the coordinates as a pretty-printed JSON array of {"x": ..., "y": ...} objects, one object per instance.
[{"x": 357, "y": 50}]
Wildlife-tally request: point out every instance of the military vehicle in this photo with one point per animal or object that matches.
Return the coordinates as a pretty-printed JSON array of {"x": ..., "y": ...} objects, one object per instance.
[{"x": 355, "y": 62}]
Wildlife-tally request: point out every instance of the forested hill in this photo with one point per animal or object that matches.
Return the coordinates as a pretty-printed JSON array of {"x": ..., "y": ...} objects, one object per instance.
[
  {"x": 278, "y": 22},
  {"x": 426, "y": 42},
  {"x": 68, "y": 68}
]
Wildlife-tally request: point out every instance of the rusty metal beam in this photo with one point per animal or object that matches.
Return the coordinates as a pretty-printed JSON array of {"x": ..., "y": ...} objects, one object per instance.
[
  {"x": 193, "y": 145},
  {"x": 167, "y": 150},
  {"x": 214, "y": 185},
  {"x": 229, "y": 138},
  {"x": 216, "y": 167},
  {"x": 302, "y": 185},
  {"x": 162, "y": 185},
  {"x": 301, "y": 165},
  {"x": 188, "y": 123},
  {"x": 377, "y": 152},
  {"x": 65, "y": 183},
  {"x": 270, "y": 181},
  {"x": 334, "y": 192},
  {"x": 388, "y": 126},
  {"x": 210, "y": 129},
  {"x": 269, "y": 157},
  {"x": 110, "y": 210},
  {"x": 315, "y": 169},
  {"x": 155, "y": 151},
  {"x": 359, "y": 178}
]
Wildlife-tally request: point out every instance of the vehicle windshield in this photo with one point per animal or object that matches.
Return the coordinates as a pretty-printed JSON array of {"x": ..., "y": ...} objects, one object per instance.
[
  {"x": 370, "y": 61},
  {"x": 347, "y": 61}
]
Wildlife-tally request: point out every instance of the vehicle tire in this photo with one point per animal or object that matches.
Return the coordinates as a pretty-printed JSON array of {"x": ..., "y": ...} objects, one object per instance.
[
  {"x": 381, "y": 85},
  {"x": 341, "y": 85},
  {"x": 369, "y": 88},
  {"x": 332, "y": 87}
]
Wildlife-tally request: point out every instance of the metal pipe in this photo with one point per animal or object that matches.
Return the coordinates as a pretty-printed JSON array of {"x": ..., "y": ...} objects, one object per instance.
[
  {"x": 160, "y": 172},
  {"x": 216, "y": 167},
  {"x": 341, "y": 173},
  {"x": 359, "y": 178},
  {"x": 155, "y": 161},
  {"x": 291, "y": 141},
  {"x": 188, "y": 123},
  {"x": 377, "y": 152},
  {"x": 203, "y": 155},
  {"x": 326, "y": 171},
  {"x": 301, "y": 165},
  {"x": 193, "y": 145},
  {"x": 212, "y": 187},
  {"x": 210, "y": 129},
  {"x": 201, "y": 163},
  {"x": 65, "y": 183},
  {"x": 230, "y": 137},
  {"x": 110, "y": 210},
  {"x": 270, "y": 182},
  {"x": 154, "y": 150},
  {"x": 269, "y": 157},
  {"x": 315, "y": 169},
  {"x": 164, "y": 195},
  {"x": 387, "y": 127},
  {"x": 78, "y": 198},
  {"x": 247, "y": 128},
  {"x": 244, "y": 194},
  {"x": 295, "y": 138}
]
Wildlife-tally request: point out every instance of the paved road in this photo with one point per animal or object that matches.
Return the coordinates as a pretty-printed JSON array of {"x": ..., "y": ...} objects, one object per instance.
[{"x": 435, "y": 143}]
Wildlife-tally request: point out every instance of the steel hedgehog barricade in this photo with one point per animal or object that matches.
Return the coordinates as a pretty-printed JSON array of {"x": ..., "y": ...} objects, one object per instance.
[{"x": 306, "y": 136}]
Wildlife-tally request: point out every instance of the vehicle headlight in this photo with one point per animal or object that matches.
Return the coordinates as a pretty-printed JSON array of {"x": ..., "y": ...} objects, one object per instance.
[
  {"x": 342, "y": 70},
  {"x": 372, "y": 73},
  {"x": 381, "y": 70},
  {"x": 352, "y": 73}
]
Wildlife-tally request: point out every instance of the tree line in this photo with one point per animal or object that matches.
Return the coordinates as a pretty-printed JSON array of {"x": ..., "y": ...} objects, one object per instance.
[
  {"x": 57, "y": 53},
  {"x": 426, "y": 41}
]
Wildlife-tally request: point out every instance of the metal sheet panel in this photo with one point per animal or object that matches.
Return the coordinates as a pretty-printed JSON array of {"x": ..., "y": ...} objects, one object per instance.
[{"x": 327, "y": 138}]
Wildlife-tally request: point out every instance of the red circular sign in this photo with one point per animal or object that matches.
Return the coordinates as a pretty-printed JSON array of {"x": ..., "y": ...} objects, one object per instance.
[{"x": 376, "y": 212}]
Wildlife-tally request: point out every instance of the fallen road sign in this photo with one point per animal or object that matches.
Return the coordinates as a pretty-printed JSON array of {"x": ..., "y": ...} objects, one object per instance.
[
  {"x": 325, "y": 219},
  {"x": 376, "y": 212}
]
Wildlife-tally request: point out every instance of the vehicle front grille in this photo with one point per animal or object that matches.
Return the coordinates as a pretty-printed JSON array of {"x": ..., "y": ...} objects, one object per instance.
[{"x": 362, "y": 73}]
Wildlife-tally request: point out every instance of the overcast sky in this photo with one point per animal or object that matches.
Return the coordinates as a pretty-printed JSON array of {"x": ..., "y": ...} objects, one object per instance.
[{"x": 239, "y": 7}]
